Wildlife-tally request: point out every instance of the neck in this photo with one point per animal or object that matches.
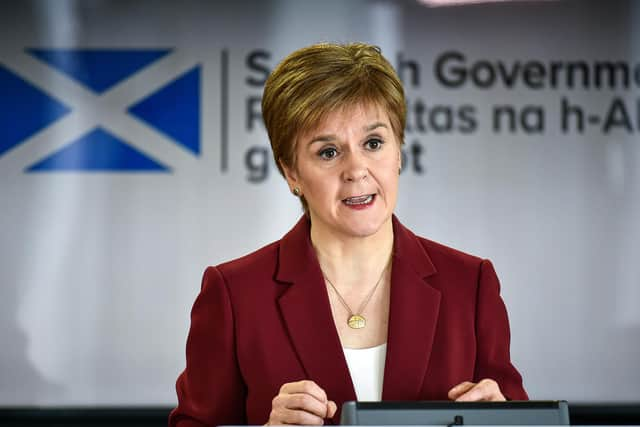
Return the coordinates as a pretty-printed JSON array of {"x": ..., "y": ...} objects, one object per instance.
[{"x": 352, "y": 261}]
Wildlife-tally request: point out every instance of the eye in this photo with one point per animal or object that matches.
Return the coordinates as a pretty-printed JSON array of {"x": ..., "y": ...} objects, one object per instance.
[
  {"x": 374, "y": 144},
  {"x": 328, "y": 153}
]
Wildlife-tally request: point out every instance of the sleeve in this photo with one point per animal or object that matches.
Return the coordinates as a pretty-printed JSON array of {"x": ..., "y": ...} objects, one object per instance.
[
  {"x": 210, "y": 390},
  {"x": 493, "y": 359}
]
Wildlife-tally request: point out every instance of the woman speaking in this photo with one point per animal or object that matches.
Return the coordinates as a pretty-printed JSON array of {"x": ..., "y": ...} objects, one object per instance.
[{"x": 349, "y": 304}]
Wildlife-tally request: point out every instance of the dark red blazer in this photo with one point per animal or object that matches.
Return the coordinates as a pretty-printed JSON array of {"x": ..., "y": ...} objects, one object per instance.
[{"x": 264, "y": 320}]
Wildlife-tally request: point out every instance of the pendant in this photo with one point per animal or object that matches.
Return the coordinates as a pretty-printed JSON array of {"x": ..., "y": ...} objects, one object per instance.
[{"x": 356, "y": 322}]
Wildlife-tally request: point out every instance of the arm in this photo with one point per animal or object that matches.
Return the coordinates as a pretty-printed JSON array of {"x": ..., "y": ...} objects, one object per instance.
[
  {"x": 210, "y": 391},
  {"x": 495, "y": 377}
]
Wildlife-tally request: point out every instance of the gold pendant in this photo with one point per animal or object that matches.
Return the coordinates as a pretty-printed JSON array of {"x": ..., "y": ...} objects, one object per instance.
[{"x": 356, "y": 322}]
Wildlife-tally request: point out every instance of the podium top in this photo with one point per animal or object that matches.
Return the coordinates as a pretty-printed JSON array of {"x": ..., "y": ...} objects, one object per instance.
[{"x": 449, "y": 413}]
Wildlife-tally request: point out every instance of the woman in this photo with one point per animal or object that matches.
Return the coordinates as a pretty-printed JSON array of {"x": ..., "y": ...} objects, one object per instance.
[{"x": 349, "y": 304}]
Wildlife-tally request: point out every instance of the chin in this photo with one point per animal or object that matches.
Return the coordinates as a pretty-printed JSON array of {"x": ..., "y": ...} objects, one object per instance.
[{"x": 363, "y": 227}]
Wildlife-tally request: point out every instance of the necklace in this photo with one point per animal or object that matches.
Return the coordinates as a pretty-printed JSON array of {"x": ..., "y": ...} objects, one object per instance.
[{"x": 356, "y": 320}]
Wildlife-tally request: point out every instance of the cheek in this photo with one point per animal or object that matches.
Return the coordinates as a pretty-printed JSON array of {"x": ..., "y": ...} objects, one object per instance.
[
  {"x": 318, "y": 187},
  {"x": 391, "y": 169},
  {"x": 393, "y": 160},
  {"x": 392, "y": 178},
  {"x": 388, "y": 183},
  {"x": 392, "y": 184}
]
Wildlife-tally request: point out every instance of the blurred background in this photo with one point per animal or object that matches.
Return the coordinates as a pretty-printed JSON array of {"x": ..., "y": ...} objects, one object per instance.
[{"x": 133, "y": 155}]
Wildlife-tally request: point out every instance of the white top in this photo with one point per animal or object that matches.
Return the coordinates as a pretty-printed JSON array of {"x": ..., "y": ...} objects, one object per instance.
[{"x": 366, "y": 366}]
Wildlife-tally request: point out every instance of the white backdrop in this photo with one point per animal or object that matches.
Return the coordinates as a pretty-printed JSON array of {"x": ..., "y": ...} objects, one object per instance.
[{"x": 98, "y": 269}]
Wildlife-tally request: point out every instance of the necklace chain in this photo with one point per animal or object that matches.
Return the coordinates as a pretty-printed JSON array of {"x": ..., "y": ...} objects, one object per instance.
[{"x": 356, "y": 320}]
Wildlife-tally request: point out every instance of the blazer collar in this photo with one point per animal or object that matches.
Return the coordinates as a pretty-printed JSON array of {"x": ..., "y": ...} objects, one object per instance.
[
  {"x": 307, "y": 314},
  {"x": 296, "y": 252}
]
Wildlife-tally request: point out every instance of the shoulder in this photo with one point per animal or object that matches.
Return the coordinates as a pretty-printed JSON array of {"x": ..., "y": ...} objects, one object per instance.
[
  {"x": 258, "y": 274},
  {"x": 462, "y": 278},
  {"x": 422, "y": 250},
  {"x": 448, "y": 267},
  {"x": 446, "y": 256},
  {"x": 456, "y": 269},
  {"x": 254, "y": 267}
]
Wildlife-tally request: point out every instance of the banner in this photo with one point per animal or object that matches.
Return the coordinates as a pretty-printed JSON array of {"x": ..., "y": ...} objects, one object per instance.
[{"x": 133, "y": 155}]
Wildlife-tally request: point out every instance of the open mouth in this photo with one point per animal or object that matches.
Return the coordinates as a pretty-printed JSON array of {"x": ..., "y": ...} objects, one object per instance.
[{"x": 359, "y": 200}]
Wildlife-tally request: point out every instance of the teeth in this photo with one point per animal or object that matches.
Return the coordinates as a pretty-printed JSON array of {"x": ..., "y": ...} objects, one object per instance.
[{"x": 361, "y": 200}]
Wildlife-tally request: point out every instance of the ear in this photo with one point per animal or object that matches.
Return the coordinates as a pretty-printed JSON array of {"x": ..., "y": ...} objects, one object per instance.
[
  {"x": 290, "y": 175},
  {"x": 399, "y": 157}
]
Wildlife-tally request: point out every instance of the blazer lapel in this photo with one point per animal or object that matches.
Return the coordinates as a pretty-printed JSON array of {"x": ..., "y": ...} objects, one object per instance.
[
  {"x": 413, "y": 315},
  {"x": 307, "y": 316}
]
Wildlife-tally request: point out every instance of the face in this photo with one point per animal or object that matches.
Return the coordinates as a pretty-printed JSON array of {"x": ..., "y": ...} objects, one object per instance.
[{"x": 347, "y": 170}]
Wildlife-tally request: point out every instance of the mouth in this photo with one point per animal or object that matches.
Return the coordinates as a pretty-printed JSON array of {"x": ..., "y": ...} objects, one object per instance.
[{"x": 363, "y": 200}]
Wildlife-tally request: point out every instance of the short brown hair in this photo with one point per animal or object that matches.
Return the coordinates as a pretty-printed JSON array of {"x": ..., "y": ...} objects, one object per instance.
[{"x": 316, "y": 80}]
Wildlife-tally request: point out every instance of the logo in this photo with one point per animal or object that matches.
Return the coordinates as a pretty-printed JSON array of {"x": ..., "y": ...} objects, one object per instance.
[{"x": 30, "y": 106}]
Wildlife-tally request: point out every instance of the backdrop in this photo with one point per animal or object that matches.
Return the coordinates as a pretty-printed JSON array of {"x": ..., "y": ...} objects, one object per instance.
[{"x": 132, "y": 155}]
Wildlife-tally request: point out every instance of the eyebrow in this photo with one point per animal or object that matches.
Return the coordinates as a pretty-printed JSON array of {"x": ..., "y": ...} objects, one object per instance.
[
  {"x": 332, "y": 137},
  {"x": 376, "y": 125}
]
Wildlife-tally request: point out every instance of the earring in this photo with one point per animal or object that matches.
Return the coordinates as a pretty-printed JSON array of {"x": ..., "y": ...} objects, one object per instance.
[
  {"x": 296, "y": 192},
  {"x": 399, "y": 171}
]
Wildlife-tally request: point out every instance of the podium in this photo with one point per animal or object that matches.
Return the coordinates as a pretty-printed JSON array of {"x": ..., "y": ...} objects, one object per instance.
[{"x": 446, "y": 413}]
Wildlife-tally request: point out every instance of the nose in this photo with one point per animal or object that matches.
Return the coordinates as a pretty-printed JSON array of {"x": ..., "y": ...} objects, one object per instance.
[{"x": 355, "y": 168}]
